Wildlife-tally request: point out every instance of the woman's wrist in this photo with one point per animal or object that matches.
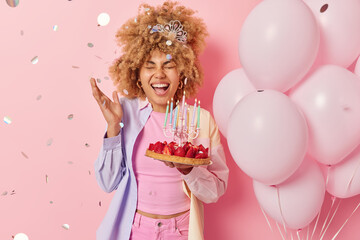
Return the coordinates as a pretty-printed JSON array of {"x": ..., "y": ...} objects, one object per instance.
[{"x": 113, "y": 130}]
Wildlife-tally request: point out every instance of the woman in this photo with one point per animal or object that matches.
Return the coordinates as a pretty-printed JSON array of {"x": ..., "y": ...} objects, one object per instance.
[{"x": 155, "y": 199}]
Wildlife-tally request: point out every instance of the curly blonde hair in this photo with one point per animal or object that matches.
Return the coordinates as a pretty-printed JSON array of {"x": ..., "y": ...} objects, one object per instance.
[{"x": 138, "y": 42}]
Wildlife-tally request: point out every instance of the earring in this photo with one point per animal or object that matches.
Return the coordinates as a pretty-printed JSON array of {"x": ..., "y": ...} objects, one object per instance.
[
  {"x": 180, "y": 85},
  {"x": 138, "y": 84}
]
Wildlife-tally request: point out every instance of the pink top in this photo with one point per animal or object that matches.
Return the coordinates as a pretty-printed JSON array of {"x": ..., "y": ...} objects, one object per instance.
[{"x": 159, "y": 186}]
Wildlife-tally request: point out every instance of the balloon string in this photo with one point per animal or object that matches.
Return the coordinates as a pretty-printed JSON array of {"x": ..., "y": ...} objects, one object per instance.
[
  {"x": 352, "y": 177},
  {"x": 267, "y": 220},
  {"x": 317, "y": 220},
  {"x": 333, "y": 199},
  {"x": 307, "y": 235},
  {"x": 330, "y": 220},
  {"x": 280, "y": 231},
  {"x": 346, "y": 222},
  {"x": 327, "y": 175},
  {"x": 281, "y": 213}
]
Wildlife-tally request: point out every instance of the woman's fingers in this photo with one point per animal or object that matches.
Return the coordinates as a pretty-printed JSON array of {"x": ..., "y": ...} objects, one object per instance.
[
  {"x": 116, "y": 97},
  {"x": 99, "y": 96}
]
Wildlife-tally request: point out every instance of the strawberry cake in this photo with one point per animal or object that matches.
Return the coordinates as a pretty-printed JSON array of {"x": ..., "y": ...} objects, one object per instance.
[{"x": 172, "y": 152}]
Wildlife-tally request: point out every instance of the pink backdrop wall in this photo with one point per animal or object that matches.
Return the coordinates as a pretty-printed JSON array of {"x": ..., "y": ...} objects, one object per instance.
[{"x": 46, "y": 166}]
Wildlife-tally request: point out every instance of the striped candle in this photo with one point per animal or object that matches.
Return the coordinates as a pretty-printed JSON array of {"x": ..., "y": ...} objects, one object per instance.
[
  {"x": 198, "y": 116},
  {"x": 166, "y": 115}
]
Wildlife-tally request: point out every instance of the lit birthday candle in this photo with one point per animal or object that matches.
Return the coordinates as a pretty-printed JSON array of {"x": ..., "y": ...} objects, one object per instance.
[
  {"x": 175, "y": 117},
  {"x": 185, "y": 117},
  {"x": 171, "y": 110},
  {"x": 183, "y": 105},
  {"x": 193, "y": 116},
  {"x": 166, "y": 115},
  {"x": 198, "y": 116}
]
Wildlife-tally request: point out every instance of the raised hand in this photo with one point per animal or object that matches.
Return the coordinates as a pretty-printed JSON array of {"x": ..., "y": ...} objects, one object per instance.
[{"x": 111, "y": 110}]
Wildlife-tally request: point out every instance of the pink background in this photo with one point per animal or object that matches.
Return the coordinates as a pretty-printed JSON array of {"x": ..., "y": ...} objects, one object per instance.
[{"x": 71, "y": 196}]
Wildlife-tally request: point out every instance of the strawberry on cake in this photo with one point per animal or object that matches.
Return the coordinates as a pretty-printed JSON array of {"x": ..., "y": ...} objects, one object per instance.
[{"x": 172, "y": 152}]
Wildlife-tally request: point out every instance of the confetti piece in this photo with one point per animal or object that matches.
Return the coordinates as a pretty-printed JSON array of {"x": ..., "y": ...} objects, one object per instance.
[
  {"x": 49, "y": 141},
  {"x": 21, "y": 236},
  {"x": 35, "y": 60},
  {"x": 38, "y": 97},
  {"x": 7, "y": 120},
  {"x": 121, "y": 125},
  {"x": 98, "y": 57},
  {"x": 12, "y": 3},
  {"x": 103, "y": 19},
  {"x": 22, "y": 33},
  {"x": 4, "y": 193},
  {"x": 46, "y": 178},
  {"x": 51, "y": 202},
  {"x": 66, "y": 226},
  {"x": 168, "y": 56},
  {"x": 12, "y": 192},
  {"x": 106, "y": 78},
  {"x": 70, "y": 162},
  {"x": 89, "y": 172},
  {"x": 147, "y": 9},
  {"x": 125, "y": 92},
  {"x": 169, "y": 42},
  {"x": 100, "y": 203},
  {"x": 149, "y": 26},
  {"x": 87, "y": 145},
  {"x": 25, "y": 156},
  {"x": 55, "y": 28},
  {"x": 90, "y": 45},
  {"x": 98, "y": 80},
  {"x": 70, "y": 116},
  {"x": 75, "y": 66},
  {"x": 135, "y": 20}
]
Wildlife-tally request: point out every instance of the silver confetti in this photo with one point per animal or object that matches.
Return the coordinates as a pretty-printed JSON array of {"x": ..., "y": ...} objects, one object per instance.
[
  {"x": 12, "y": 3},
  {"x": 49, "y": 141},
  {"x": 55, "y": 28},
  {"x": 135, "y": 20},
  {"x": 70, "y": 116},
  {"x": 66, "y": 226},
  {"x": 125, "y": 92},
  {"x": 38, "y": 97},
  {"x": 169, "y": 42},
  {"x": 46, "y": 178},
  {"x": 7, "y": 120},
  {"x": 4, "y": 193},
  {"x": 168, "y": 56},
  {"x": 35, "y": 60},
  {"x": 90, "y": 45},
  {"x": 25, "y": 156},
  {"x": 98, "y": 80}
]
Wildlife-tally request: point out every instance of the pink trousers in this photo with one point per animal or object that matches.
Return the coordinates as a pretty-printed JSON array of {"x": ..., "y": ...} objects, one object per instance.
[{"x": 145, "y": 228}]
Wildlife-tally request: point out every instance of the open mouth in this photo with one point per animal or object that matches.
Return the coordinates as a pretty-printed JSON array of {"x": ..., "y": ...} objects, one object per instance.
[{"x": 160, "y": 88}]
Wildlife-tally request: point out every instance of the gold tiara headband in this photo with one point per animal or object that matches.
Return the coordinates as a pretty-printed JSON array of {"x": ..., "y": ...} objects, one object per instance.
[{"x": 174, "y": 28}]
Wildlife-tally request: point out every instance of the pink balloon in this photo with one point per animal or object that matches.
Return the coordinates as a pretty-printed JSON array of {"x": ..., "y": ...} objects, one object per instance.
[
  {"x": 344, "y": 178},
  {"x": 278, "y": 43},
  {"x": 231, "y": 89},
  {"x": 339, "y": 23},
  {"x": 298, "y": 200},
  {"x": 267, "y": 136},
  {"x": 330, "y": 100}
]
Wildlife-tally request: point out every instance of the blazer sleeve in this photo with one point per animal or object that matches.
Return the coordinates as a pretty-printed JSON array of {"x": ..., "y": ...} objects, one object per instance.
[
  {"x": 110, "y": 165},
  {"x": 209, "y": 183}
]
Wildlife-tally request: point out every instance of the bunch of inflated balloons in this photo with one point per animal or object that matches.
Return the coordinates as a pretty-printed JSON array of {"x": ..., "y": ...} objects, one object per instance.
[{"x": 291, "y": 115}]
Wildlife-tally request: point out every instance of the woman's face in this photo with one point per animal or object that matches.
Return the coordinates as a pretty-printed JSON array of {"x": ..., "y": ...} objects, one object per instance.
[{"x": 159, "y": 80}]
